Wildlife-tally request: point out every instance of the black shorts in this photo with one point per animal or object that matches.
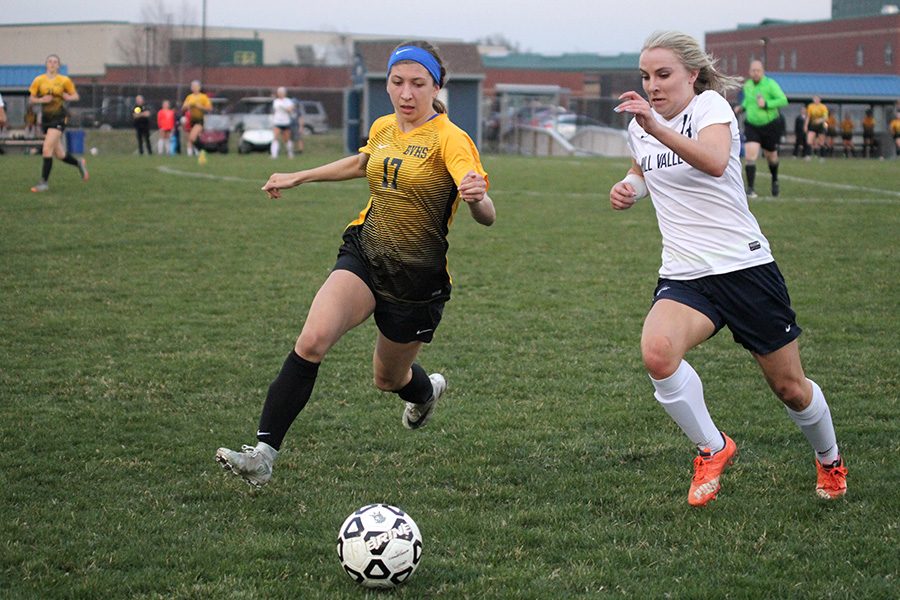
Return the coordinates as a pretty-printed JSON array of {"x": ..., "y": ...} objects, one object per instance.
[
  {"x": 56, "y": 122},
  {"x": 399, "y": 322},
  {"x": 817, "y": 128},
  {"x": 846, "y": 136},
  {"x": 753, "y": 302},
  {"x": 283, "y": 127},
  {"x": 196, "y": 122},
  {"x": 767, "y": 135}
]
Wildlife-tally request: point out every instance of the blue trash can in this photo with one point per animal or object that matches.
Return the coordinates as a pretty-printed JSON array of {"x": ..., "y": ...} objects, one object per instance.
[{"x": 75, "y": 141}]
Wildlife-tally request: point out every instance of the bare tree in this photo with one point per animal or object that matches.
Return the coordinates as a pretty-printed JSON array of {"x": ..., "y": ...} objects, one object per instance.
[{"x": 148, "y": 43}]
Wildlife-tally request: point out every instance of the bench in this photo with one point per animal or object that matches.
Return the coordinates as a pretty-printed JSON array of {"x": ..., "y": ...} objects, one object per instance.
[{"x": 26, "y": 144}]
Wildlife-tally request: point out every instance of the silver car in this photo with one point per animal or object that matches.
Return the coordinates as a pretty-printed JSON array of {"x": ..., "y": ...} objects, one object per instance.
[{"x": 254, "y": 112}]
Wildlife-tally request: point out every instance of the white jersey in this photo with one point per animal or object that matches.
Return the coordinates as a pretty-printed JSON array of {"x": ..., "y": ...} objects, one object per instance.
[
  {"x": 706, "y": 226},
  {"x": 282, "y": 109}
]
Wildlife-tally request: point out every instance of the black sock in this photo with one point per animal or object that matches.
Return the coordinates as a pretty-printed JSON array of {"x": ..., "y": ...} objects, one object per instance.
[
  {"x": 773, "y": 169},
  {"x": 69, "y": 159},
  {"x": 751, "y": 175},
  {"x": 419, "y": 389},
  {"x": 45, "y": 169},
  {"x": 288, "y": 394}
]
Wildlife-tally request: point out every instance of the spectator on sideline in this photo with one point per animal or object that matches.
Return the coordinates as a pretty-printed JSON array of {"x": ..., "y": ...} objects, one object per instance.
[
  {"x": 800, "y": 133},
  {"x": 393, "y": 263},
  {"x": 2, "y": 113},
  {"x": 762, "y": 103},
  {"x": 816, "y": 117},
  {"x": 52, "y": 90},
  {"x": 283, "y": 112},
  {"x": 717, "y": 268},
  {"x": 165, "y": 123},
  {"x": 196, "y": 104},
  {"x": 140, "y": 114}
]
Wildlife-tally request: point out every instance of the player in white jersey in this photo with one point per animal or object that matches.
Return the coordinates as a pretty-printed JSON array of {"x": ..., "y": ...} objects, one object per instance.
[
  {"x": 283, "y": 111},
  {"x": 716, "y": 269}
]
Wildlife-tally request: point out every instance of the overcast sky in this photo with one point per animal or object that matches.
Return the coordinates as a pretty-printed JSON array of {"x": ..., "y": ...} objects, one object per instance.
[{"x": 545, "y": 26}]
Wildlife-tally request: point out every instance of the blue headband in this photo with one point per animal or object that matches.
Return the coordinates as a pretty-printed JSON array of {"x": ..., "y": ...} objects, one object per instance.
[{"x": 419, "y": 55}]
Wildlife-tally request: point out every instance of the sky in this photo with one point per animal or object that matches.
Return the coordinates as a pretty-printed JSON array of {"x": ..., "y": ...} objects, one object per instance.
[{"x": 544, "y": 26}]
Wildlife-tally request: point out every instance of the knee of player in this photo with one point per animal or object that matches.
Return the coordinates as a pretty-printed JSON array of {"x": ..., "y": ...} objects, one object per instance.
[
  {"x": 793, "y": 393},
  {"x": 660, "y": 358},
  {"x": 386, "y": 384},
  {"x": 311, "y": 346}
]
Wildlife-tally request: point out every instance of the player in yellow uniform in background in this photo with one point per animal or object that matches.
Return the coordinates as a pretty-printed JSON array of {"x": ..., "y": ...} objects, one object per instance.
[
  {"x": 895, "y": 131},
  {"x": 197, "y": 104},
  {"x": 870, "y": 147},
  {"x": 831, "y": 130},
  {"x": 51, "y": 91},
  {"x": 393, "y": 262},
  {"x": 847, "y": 135},
  {"x": 816, "y": 117}
]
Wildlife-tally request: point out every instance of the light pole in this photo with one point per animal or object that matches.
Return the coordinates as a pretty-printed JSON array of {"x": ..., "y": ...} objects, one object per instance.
[
  {"x": 765, "y": 46},
  {"x": 203, "y": 46}
]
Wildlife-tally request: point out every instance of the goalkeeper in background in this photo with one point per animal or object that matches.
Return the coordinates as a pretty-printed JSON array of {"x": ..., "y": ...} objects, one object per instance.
[{"x": 763, "y": 126}]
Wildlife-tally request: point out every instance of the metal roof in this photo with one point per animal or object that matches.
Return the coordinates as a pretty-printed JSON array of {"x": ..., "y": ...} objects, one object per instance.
[
  {"x": 20, "y": 76},
  {"x": 839, "y": 87},
  {"x": 563, "y": 62}
]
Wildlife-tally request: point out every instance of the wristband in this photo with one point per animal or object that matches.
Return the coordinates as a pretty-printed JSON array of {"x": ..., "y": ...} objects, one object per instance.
[{"x": 637, "y": 182}]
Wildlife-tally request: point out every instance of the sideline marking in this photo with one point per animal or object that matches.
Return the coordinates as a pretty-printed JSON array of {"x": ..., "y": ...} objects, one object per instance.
[{"x": 171, "y": 171}]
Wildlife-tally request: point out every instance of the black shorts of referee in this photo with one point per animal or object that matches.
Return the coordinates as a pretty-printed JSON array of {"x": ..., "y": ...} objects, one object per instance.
[{"x": 767, "y": 135}]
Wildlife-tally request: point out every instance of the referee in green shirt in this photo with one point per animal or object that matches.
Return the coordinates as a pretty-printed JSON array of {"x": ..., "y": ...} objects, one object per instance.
[{"x": 762, "y": 125}]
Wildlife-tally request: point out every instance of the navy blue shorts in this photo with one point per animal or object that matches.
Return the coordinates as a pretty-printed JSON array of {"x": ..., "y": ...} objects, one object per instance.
[
  {"x": 753, "y": 302},
  {"x": 399, "y": 322}
]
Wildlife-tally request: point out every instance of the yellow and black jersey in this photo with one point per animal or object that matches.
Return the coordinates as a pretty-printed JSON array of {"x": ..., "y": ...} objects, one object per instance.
[
  {"x": 817, "y": 112},
  {"x": 413, "y": 179},
  {"x": 56, "y": 86},
  {"x": 198, "y": 105}
]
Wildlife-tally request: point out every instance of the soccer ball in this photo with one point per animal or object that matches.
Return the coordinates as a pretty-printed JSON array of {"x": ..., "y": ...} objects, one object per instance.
[{"x": 379, "y": 546}]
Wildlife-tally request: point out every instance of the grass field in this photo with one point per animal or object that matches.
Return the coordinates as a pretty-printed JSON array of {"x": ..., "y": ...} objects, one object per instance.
[{"x": 145, "y": 312}]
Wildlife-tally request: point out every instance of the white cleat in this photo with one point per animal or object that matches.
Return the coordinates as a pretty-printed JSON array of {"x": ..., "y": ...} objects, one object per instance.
[
  {"x": 253, "y": 463},
  {"x": 416, "y": 415}
]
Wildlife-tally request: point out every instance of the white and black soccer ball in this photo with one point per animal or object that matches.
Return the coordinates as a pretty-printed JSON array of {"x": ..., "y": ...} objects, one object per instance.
[{"x": 379, "y": 546}]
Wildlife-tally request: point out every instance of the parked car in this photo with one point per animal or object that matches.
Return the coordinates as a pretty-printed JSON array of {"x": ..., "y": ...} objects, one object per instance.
[
  {"x": 568, "y": 124},
  {"x": 315, "y": 119}
]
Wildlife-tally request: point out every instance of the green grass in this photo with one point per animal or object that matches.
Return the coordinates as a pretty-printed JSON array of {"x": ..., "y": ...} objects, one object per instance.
[{"x": 144, "y": 314}]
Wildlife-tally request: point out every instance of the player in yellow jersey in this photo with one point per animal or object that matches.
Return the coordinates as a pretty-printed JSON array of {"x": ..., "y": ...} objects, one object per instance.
[
  {"x": 51, "y": 91},
  {"x": 870, "y": 146},
  {"x": 895, "y": 131},
  {"x": 847, "y": 135},
  {"x": 816, "y": 118},
  {"x": 197, "y": 104},
  {"x": 393, "y": 262}
]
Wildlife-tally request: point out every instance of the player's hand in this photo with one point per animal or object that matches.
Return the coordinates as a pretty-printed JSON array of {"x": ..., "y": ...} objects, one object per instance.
[
  {"x": 278, "y": 182},
  {"x": 637, "y": 105},
  {"x": 473, "y": 187},
  {"x": 622, "y": 196}
]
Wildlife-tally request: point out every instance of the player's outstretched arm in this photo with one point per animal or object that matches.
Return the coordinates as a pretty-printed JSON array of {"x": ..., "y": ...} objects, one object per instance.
[{"x": 349, "y": 167}]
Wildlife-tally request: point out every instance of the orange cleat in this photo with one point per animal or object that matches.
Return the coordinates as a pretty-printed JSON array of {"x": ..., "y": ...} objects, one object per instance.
[
  {"x": 708, "y": 468},
  {"x": 831, "y": 480}
]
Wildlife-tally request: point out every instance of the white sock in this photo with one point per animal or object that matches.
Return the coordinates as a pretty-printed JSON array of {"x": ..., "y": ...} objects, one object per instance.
[
  {"x": 815, "y": 423},
  {"x": 159, "y": 146},
  {"x": 274, "y": 148},
  {"x": 681, "y": 394}
]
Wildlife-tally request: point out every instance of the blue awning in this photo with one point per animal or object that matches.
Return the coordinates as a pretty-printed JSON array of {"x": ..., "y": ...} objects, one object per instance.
[
  {"x": 14, "y": 77},
  {"x": 832, "y": 87}
]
